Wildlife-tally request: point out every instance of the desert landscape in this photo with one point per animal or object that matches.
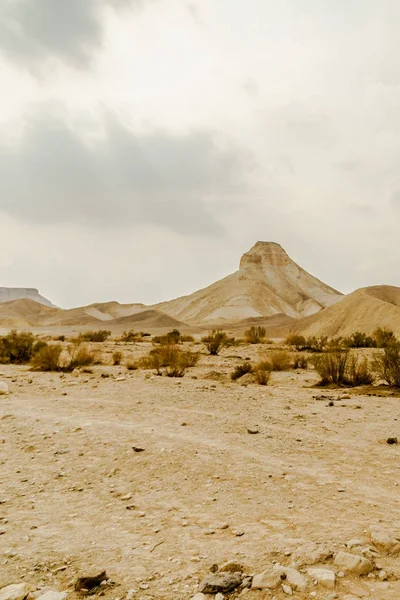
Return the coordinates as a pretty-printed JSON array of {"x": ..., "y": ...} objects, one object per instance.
[{"x": 242, "y": 452}]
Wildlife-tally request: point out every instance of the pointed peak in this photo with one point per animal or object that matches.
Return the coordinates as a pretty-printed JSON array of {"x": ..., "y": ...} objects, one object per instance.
[{"x": 265, "y": 252}]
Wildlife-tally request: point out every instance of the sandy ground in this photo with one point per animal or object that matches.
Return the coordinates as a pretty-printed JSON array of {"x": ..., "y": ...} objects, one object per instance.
[{"x": 75, "y": 498}]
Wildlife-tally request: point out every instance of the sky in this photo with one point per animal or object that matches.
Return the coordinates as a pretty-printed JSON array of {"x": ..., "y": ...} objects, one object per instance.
[{"x": 145, "y": 145}]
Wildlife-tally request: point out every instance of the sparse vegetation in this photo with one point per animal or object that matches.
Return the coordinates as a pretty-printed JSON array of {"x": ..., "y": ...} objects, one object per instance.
[
  {"x": 262, "y": 372},
  {"x": 47, "y": 358},
  {"x": 95, "y": 336},
  {"x": 300, "y": 362},
  {"x": 131, "y": 365},
  {"x": 50, "y": 357},
  {"x": 17, "y": 347},
  {"x": 359, "y": 340},
  {"x": 255, "y": 335},
  {"x": 343, "y": 368},
  {"x": 169, "y": 357},
  {"x": 241, "y": 370},
  {"x": 296, "y": 341},
  {"x": 280, "y": 360},
  {"x": 117, "y": 357},
  {"x": 387, "y": 364},
  {"x": 130, "y": 336},
  {"x": 383, "y": 337},
  {"x": 215, "y": 341}
]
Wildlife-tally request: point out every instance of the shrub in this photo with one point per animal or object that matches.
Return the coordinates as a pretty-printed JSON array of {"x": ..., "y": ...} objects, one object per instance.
[
  {"x": 387, "y": 364},
  {"x": 80, "y": 356},
  {"x": 316, "y": 344},
  {"x": 383, "y": 337},
  {"x": 187, "y": 338},
  {"x": 241, "y": 370},
  {"x": 60, "y": 338},
  {"x": 129, "y": 336},
  {"x": 343, "y": 368},
  {"x": 16, "y": 348},
  {"x": 280, "y": 360},
  {"x": 131, "y": 365},
  {"x": 255, "y": 335},
  {"x": 95, "y": 336},
  {"x": 47, "y": 358},
  {"x": 297, "y": 341},
  {"x": 262, "y": 372},
  {"x": 117, "y": 357},
  {"x": 300, "y": 362},
  {"x": 172, "y": 359},
  {"x": 215, "y": 340},
  {"x": 359, "y": 340}
]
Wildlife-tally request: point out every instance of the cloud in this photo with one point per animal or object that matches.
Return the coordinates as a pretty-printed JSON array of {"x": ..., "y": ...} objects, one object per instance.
[
  {"x": 34, "y": 31},
  {"x": 125, "y": 178}
]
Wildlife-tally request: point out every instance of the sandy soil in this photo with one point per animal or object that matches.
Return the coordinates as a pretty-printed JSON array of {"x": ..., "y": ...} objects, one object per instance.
[{"x": 76, "y": 498}]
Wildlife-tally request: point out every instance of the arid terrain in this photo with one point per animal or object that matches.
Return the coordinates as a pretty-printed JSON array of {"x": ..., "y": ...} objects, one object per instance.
[{"x": 285, "y": 473}]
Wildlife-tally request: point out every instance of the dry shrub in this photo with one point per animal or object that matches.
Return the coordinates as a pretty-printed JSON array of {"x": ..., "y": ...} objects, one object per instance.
[
  {"x": 342, "y": 368},
  {"x": 387, "y": 364},
  {"x": 297, "y": 341},
  {"x": 17, "y": 348},
  {"x": 241, "y": 370},
  {"x": 117, "y": 357},
  {"x": 280, "y": 360},
  {"x": 130, "y": 336},
  {"x": 215, "y": 341},
  {"x": 255, "y": 335},
  {"x": 131, "y": 365},
  {"x": 47, "y": 358},
  {"x": 300, "y": 362},
  {"x": 383, "y": 337},
  {"x": 262, "y": 372},
  {"x": 172, "y": 359},
  {"x": 95, "y": 336},
  {"x": 80, "y": 356}
]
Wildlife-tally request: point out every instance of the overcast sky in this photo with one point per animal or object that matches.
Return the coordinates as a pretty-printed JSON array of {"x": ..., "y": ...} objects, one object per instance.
[{"x": 146, "y": 144}]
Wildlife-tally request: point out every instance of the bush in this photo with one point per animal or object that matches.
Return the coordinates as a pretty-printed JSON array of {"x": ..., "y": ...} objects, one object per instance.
[
  {"x": 255, "y": 335},
  {"x": 262, "y": 372},
  {"x": 214, "y": 341},
  {"x": 117, "y": 357},
  {"x": 387, "y": 364},
  {"x": 60, "y": 338},
  {"x": 280, "y": 360},
  {"x": 16, "y": 348},
  {"x": 95, "y": 336},
  {"x": 359, "y": 340},
  {"x": 342, "y": 368},
  {"x": 297, "y": 341},
  {"x": 316, "y": 344},
  {"x": 383, "y": 337},
  {"x": 131, "y": 365},
  {"x": 300, "y": 362},
  {"x": 129, "y": 336},
  {"x": 174, "y": 361},
  {"x": 187, "y": 338},
  {"x": 80, "y": 356},
  {"x": 241, "y": 370},
  {"x": 47, "y": 358}
]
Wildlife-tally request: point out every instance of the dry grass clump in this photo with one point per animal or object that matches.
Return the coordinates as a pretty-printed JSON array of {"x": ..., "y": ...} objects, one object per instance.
[
  {"x": 343, "y": 368},
  {"x": 261, "y": 372},
  {"x": 170, "y": 360},
  {"x": 130, "y": 337},
  {"x": 280, "y": 360},
  {"x": 131, "y": 365},
  {"x": 300, "y": 362},
  {"x": 215, "y": 341},
  {"x": 255, "y": 335},
  {"x": 387, "y": 364},
  {"x": 18, "y": 347},
  {"x": 95, "y": 336},
  {"x": 117, "y": 357},
  {"x": 50, "y": 357}
]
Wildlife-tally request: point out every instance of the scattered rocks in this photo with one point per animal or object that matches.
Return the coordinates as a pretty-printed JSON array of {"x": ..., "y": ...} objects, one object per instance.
[
  {"x": 293, "y": 577},
  {"x": 385, "y": 541},
  {"x": 267, "y": 580},
  {"x": 16, "y": 591},
  {"x": 352, "y": 563},
  {"x": 220, "y": 582},
  {"x": 325, "y": 577}
]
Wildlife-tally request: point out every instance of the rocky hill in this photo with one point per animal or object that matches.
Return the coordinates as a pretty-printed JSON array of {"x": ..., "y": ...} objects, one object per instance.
[
  {"x": 267, "y": 283},
  {"x": 8, "y": 293}
]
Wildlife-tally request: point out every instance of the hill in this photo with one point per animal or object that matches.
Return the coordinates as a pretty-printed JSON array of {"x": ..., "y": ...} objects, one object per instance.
[
  {"x": 267, "y": 283},
  {"x": 8, "y": 294}
]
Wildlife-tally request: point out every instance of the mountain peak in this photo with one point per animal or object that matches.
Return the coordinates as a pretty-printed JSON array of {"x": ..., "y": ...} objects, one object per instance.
[{"x": 270, "y": 253}]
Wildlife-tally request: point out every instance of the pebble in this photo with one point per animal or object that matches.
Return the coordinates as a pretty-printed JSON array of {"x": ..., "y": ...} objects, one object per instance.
[
  {"x": 4, "y": 389},
  {"x": 16, "y": 591},
  {"x": 352, "y": 563},
  {"x": 220, "y": 582}
]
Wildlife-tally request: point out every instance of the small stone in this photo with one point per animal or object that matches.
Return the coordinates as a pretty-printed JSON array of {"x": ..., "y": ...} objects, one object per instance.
[
  {"x": 267, "y": 580},
  {"x": 52, "y": 595},
  {"x": 253, "y": 430},
  {"x": 4, "y": 389},
  {"x": 126, "y": 497},
  {"x": 385, "y": 541},
  {"x": 16, "y": 591},
  {"x": 287, "y": 589},
  {"x": 220, "y": 582},
  {"x": 294, "y": 578},
  {"x": 130, "y": 594},
  {"x": 391, "y": 440},
  {"x": 219, "y": 597},
  {"x": 323, "y": 576},
  {"x": 199, "y": 597},
  {"x": 352, "y": 563},
  {"x": 232, "y": 567},
  {"x": 383, "y": 575}
]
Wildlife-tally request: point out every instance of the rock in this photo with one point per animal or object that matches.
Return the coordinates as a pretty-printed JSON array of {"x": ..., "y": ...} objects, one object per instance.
[
  {"x": 247, "y": 379},
  {"x": 383, "y": 575},
  {"x": 385, "y": 541},
  {"x": 287, "y": 589},
  {"x": 267, "y": 580},
  {"x": 16, "y": 591},
  {"x": 199, "y": 597},
  {"x": 219, "y": 597},
  {"x": 391, "y": 440},
  {"x": 89, "y": 583},
  {"x": 253, "y": 430},
  {"x": 356, "y": 589},
  {"x": 293, "y": 577},
  {"x": 220, "y": 582},
  {"x": 323, "y": 576},
  {"x": 351, "y": 563},
  {"x": 3, "y": 388},
  {"x": 52, "y": 595},
  {"x": 232, "y": 567},
  {"x": 310, "y": 553}
]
